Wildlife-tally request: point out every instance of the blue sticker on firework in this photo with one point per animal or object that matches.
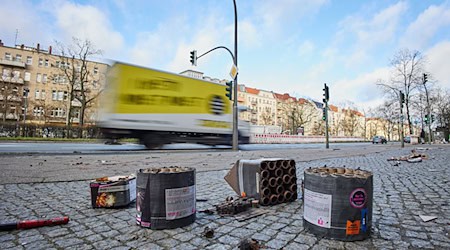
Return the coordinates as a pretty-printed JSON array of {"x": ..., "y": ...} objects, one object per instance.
[{"x": 364, "y": 220}]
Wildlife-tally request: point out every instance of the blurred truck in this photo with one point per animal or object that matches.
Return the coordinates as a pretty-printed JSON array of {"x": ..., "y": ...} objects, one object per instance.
[{"x": 160, "y": 108}]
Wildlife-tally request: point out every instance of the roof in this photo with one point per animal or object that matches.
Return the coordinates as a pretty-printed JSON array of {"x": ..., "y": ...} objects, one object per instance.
[
  {"x": 333, "y": 108},
  {"x": 251, "y": 90},
  {"x": 284, "y": 97},
  {"x": 318, "y": 104}
]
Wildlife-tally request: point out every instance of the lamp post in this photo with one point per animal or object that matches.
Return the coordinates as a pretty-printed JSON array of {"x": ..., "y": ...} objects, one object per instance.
[{"x": 235, "y": 110}]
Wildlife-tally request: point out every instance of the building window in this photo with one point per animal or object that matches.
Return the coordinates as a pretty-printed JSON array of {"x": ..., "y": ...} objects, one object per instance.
[
  {"x": 46, "y": 63},
  {"x": 95, "y": 70},
  {"x": 16, "y": 74},
  {"x": 8, "y": 56},
  {"x": 18, "y": 58},
  {"x": 6, "y": 73},
  {"x": 38, "y": 77},
  {"x": 27, "y": 76},
  {"x": 38, "y": 111},
  {"x": 59, "y": 112},
  {"x": 44, "y": 78},
  {"x": 54, "y": 95},
  {"x": 60, "y": 95},
  {"x": 42, "y": 94},
  {"x": 29, "y": 60},
  {"x": 41, "y": 62},
  {"x": 37, "y": 94}
]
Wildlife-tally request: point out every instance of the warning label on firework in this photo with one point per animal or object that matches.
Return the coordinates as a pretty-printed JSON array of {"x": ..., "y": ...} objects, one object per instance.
[
  {"x": 180, "y": 202},
  {"x": 317, "y": 208}
]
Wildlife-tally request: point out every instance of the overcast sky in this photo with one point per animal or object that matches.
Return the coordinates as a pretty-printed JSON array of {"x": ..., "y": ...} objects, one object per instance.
[{"x": 285, "y": 46}]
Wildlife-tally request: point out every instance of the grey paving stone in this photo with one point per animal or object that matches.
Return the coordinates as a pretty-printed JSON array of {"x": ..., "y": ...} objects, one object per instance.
[
  {"x": 106, "y": 244},
  {"x": 276, "y": 244},
  {"x": 187, "y": 236},
  {"x": 296, "y": 246},
  {"x": 67, "y": 242},
  {"x": 416, "y": 243},
  {"x": 229, "y": 240},
  {"x": 414, "y": 234},
  {"x": 305, "y": 239},
  {"x": 168, "y": 243},
  {"x": 261, "y": 237}
]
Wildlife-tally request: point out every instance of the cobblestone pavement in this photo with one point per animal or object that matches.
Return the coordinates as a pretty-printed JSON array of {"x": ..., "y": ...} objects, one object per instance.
[{"x": 401, "y": 194}]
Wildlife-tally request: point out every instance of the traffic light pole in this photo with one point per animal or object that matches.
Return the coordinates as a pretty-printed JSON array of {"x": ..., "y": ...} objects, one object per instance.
[
  {"x": 428, "y": 107},
  {"x": 326, "y": 97},
  {"x": 235, "y": 138},
  {"x": 327, "y": 141},
  {"x": 235, "y": 111},
  {"x": 401, "y": 119}
]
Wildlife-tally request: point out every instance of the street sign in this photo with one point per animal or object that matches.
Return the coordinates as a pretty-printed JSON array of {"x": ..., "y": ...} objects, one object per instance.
[{"x": 233, "y": 71}]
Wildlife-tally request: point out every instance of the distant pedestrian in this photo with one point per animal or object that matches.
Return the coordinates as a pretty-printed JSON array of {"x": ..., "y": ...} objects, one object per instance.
[{"x": 422, "y": 136}]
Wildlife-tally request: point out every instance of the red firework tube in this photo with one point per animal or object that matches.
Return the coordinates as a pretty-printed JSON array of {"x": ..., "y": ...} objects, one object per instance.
[
  {"x": 278, "y": 172},
  {"x": 287, "y": 179},
  {"x": 272, "y": 165},
  {"x": 34, "y": 223},
  {"x": 265, "y": 174}
]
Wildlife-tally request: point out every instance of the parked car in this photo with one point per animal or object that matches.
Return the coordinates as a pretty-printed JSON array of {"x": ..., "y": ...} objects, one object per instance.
[
  {"x": 407, "y": 139},
  {"x": 379, "y": 139}
]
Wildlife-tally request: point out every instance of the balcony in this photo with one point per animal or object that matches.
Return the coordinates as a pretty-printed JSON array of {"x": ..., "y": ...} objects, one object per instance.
[
  {"x": 11, "y": 63},
  {"x": 12, "y": 79}
]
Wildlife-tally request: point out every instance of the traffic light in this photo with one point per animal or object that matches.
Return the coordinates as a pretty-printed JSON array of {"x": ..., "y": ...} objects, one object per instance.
[
  {"x": 194, "y": 57},
  {"x": 326, "y": 94},
  {"x": 324, "y": 114},
  {"x": 402, "y": 97},
  {"x": 25, "y": 92},
  {"x": 426, "y": 119},
  {"x": 425, "y": 78},
  {"x": 432, "y": 118},
  {"x": 229, "y": 89}
]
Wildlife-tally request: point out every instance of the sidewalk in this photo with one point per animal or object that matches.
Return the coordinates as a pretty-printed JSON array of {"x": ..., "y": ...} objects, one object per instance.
[{"x": 401, "y": 193}]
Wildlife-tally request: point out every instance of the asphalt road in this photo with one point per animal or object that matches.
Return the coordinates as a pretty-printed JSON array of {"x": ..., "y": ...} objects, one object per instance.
[{"x": 101, "y": 148}]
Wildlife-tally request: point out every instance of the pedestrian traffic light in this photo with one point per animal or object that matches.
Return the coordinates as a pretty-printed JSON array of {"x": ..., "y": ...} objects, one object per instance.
[
  {"x": 432, "y": 118},
  {"x": 426, "y": 119},
  {"x": 324, "y": 114},
  {"x": 25, "y": 92},
  {"x": 326, "y": 94},
  {"x": 229, "y": 89},
  {"x": 425, "y": 78},
  {"x": 194, "y": 57}
]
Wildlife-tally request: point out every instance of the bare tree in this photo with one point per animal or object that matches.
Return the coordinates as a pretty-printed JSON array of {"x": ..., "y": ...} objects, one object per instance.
[
  {"x": 75, "y": 66},
  {"x": 298, "y": 114},
  {"x": 388, "y": 115},
  {"x": 442, "y": 109},
  {"x": 406, "y": 77}
]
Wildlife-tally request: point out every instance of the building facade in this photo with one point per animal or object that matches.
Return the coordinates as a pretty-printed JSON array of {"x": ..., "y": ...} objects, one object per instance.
[{"x": 36, "y": 89}]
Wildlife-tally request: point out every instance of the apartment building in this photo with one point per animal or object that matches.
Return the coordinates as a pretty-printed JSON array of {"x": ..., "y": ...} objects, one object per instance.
[{"x": 35, "y": 89}]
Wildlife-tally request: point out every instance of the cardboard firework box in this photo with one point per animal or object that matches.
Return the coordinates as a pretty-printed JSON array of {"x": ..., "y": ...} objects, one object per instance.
[{"x": 113, "y": 192}]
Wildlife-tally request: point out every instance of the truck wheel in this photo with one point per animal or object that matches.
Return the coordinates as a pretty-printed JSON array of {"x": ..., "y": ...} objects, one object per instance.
[{"x": 152, "y": 141}]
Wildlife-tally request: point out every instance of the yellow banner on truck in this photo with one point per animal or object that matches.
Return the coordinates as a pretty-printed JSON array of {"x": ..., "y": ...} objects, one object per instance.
[{"x": 141, "y": 90}]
